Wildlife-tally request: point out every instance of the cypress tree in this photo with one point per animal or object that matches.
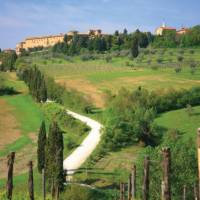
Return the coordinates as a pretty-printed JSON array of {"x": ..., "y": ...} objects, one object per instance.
[
  {"x": 41, "y": 147},
  {"x": 134, "y": 47},
  {"x": 43, "y": 90},
  {"x": 54, "y": 158}
]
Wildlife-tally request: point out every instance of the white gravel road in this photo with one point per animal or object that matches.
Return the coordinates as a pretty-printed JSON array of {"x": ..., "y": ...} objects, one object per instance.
[{"x": 81, "y": 153}]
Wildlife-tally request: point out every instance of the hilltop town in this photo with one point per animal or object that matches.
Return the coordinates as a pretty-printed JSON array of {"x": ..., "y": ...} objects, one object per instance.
[{"x": 51, "y": 40}]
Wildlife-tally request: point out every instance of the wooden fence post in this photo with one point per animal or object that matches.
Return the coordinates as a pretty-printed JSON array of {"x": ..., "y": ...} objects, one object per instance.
[
  {"x": 44, "y": 183},
  {"x": 133, "y": 182},
  {"x": 198, "y": 155},
  {"x": 30, "y": 181},
  {"x": 129, "y": 187},
  {"x": 57, "y": 192},
  {"x": 184, "y": 192},
  {"x": 166, "y": 173},
  {"x": 146, "y": 179},
  {"x": 9, "y": 185},
  {"x": 195, "y": 192},
  {"x": 121, "y": 196}
]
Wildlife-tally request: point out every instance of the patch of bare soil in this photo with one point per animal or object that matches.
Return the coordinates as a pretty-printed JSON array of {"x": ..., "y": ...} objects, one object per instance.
[
  {"x": 90, "y": 91},
  {"x": 9, "y": 131}
]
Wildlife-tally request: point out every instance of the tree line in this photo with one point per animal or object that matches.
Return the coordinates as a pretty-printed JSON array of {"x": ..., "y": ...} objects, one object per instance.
[
  {"x": 50, "y": 157},
  {"x": 42, "y": 87},
  {"x": 130, "y": 115},
  {"x": 118, "y": 41},
  {"x": 7, "y": 60}
]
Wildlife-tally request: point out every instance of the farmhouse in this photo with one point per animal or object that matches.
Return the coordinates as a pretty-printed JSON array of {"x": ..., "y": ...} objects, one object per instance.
[
  {"x": 160, "y": 30},
  {"x": 51, "y": 40},
  {"x": 182, "y": 31}
]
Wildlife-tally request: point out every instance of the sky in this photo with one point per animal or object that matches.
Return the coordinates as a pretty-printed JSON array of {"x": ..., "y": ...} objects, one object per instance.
[{"x": 24, "y": 18}]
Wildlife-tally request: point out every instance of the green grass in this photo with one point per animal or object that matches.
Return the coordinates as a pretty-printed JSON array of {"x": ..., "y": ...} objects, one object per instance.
[
  {"x": 26, "y": 111},
  {"x": 103, "y": 76},
  {"x": 109, "y": 170},
  {"x": 181, "y": 120}
]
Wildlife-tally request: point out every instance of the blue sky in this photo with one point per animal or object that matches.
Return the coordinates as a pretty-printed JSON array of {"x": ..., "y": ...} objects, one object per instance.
[{"x": 22, "y": 18}]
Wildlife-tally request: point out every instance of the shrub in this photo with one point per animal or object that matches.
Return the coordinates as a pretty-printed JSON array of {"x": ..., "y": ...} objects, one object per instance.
[
  {"x": 70, "y": 143},
  {"x": 181, "y": 52},
  {"x": 127, "y": 63},
  {"x": 178, "y": 69},
  {"x": 108, "y": 58},
  {"x": 180, "y": 58},
  {"x": 44, "y": 62},
  {"x": 149, "y": 62},
  {"x": 159, "y": 60},
  {"x": 154, "y": 67},
  {"x": 154, "y": 51},
  {"x": 191, "y": 51}
]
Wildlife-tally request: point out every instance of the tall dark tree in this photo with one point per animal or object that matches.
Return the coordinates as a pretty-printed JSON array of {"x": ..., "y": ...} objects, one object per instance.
[
  {"x": 54, "y": 158},
  {"x": 125, "y": 32},
  {"x": 116, "y": 33},
  {"x": 41, "y": 147},
  {"x": 134, "y": 47},
  {"x": 65, "y": 38}
]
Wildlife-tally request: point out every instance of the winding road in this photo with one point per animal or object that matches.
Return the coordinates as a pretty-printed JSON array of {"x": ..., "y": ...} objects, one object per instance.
[{"x": 81, "y": 153}]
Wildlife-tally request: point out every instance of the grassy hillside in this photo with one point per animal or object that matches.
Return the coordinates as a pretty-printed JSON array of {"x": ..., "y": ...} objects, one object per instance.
[
  {"x": 109, "y": 170},
  {"x": 20, "y": 119},
  {"x": 153, "y": 69},
  {"x": 181, "y": 120}
]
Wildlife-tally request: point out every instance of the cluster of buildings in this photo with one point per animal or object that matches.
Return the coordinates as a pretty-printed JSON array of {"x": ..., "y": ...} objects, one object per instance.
[
  {"x": 51, "y": 40},
  {"x": 160, "y": 30}
]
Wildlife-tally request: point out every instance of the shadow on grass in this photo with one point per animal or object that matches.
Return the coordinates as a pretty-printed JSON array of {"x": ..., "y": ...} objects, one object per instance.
[{"x": 8, "y": 91}]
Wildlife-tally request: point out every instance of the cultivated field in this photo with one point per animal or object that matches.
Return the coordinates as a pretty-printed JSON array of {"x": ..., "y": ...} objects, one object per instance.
[{"x": 154, "y": 70}]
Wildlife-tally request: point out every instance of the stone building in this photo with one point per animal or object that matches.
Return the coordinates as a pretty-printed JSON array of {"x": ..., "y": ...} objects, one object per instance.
[
  {"x": 182, "y": 31},
  {"x": 44, "y": 41},
  {"x": 160, "y": 30},
  {"x": 48, "y": 41}
]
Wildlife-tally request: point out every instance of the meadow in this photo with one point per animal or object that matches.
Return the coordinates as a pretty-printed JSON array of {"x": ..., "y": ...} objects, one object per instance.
[
  {"x": 20, "y": 119},
  {"x": 116, "y": 166},
  {"x": 153, "y": 69},
  {"x": 95, "y": 79}
]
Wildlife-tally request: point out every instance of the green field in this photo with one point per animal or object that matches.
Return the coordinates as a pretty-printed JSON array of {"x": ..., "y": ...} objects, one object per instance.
[
  {"x": 94, "y": 77},
  {"x": 23, "y": 117},
  {"x": 186, "y": 123},
  {"x": 116, "y": 166}
]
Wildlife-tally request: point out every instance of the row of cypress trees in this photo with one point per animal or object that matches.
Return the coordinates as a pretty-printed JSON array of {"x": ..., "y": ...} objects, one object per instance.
[
  {"x": 36, "y": 83},
  {"x": 50, "y": 156}
]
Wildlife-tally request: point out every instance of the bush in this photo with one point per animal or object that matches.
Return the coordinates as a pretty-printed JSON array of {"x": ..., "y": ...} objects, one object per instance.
[
  {"x": 149, "y": 62},
  {"x": 153, "y": 52},
  {"x": 181, "y": 52},
  {"x": 178, "y": 69},
  {"x": 127, "y": 63},
  {"x": 108, "y": 58},
  {"x": 191, "y": 51},
  {"x": 159, "y": 60},
  {"x": 70, "y": 143},
  {"x": 180, "y": 58},
  {"x": 154, "y": 67}
]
